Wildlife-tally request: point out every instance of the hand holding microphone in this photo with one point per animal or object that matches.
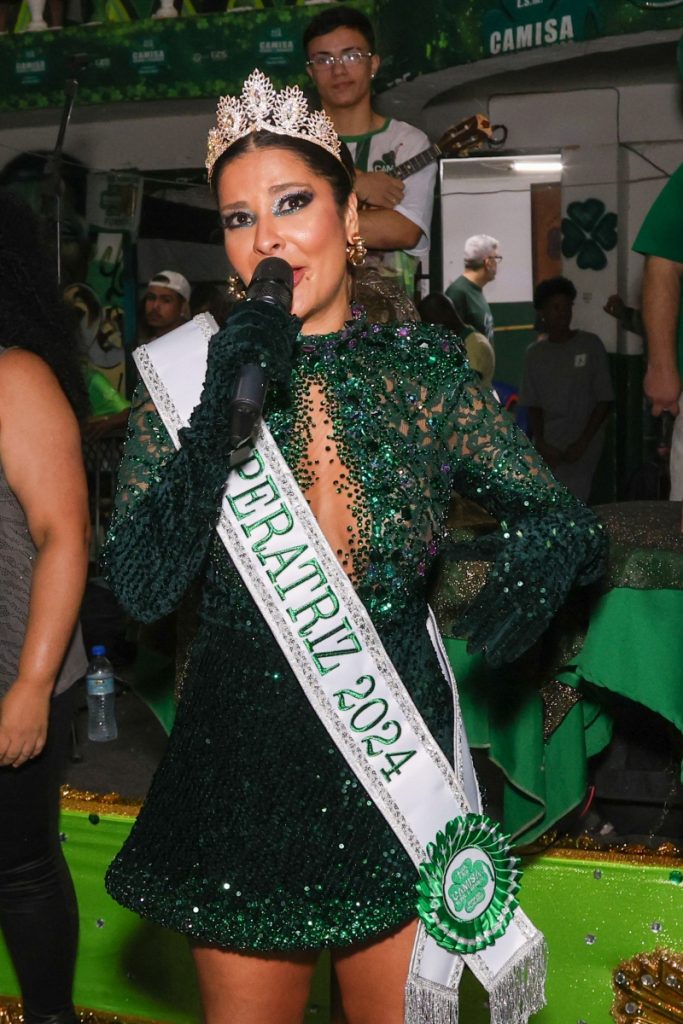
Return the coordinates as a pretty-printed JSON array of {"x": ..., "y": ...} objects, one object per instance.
[
  {"x": 255, "y": 347},
  {"x": 273, "y": 284}
]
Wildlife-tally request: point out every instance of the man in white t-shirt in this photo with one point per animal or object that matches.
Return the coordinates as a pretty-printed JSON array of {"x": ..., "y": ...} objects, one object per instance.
[{"x": 395, "y": 215}]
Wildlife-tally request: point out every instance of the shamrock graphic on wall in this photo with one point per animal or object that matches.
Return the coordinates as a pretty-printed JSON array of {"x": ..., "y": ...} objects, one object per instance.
[{"x": 588, "y": 232}]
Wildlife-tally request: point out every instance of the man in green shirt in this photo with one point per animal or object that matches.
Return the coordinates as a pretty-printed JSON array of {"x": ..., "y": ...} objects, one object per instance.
[
  {"x": 108, "y": 408},
  {"x": 467, "y": 291},
  {"x": 660, "y": 240}
]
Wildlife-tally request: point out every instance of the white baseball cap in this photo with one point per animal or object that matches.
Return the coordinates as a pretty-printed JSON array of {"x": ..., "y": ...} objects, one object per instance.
[{"x": 172, "y": 279}]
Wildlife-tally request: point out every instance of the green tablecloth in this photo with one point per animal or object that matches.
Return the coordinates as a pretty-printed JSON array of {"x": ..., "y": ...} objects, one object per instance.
[{"x": 633, "y": 648}]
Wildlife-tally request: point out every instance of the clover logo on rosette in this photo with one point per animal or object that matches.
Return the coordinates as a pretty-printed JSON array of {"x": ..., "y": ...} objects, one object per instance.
[{"x": 467, "y": 889}]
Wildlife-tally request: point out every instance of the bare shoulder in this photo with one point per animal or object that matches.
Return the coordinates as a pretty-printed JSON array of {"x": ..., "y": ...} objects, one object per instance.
[
  {"x": 23, "y": 372},
  {"x": 17, "y": 362},
  {"x": 30, "y": 394}
]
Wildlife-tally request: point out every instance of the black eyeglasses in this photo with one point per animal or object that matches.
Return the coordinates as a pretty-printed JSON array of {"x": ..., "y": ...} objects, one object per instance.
[{"x": 326, "y": 60}]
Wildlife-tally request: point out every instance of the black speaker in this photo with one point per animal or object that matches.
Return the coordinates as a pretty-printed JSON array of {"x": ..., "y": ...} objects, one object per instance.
[{"x": 637, "y": 778}]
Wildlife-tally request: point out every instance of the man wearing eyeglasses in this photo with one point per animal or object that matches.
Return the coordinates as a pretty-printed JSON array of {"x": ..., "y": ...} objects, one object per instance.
[
  {"x": 395, "y": 216},
  {"x": 482, "y": 258}
]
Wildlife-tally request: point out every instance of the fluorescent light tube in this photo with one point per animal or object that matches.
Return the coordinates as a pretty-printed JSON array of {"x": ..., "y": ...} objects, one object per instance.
[{"x": 536, "y": 166}]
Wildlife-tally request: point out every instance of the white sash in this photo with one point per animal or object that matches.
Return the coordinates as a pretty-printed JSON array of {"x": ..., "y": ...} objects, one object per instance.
[{"x": 336, "y": 654}]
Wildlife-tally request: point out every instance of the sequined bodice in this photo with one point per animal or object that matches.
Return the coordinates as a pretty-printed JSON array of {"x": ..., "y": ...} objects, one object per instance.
[{"x": 358, "y": 438}]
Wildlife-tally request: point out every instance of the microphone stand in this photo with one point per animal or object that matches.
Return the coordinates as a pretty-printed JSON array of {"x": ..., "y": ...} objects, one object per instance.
[{"x": 53, "y": 170}]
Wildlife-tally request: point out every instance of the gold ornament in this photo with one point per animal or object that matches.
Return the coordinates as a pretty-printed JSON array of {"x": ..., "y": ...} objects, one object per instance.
[
  {"x": 236, "y": 289},
  {"x": 261, "y": 108},
  {"x": 11, "y": 1012},
  {"x": 649, "y": 989},
  {"x": 356, "y": 251},
  {"x": 100, "y": 803}
]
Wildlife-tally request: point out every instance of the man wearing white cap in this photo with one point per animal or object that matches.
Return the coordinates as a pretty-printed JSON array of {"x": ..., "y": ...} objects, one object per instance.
[{"x": 166, "y": 303}]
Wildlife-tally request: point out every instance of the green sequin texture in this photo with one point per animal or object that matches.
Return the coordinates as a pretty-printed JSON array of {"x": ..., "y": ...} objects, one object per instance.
[{"x": 255, "y": 834}]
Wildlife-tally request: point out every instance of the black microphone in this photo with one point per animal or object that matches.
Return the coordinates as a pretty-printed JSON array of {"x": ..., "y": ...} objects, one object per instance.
[{"x": 272, "y": 282}]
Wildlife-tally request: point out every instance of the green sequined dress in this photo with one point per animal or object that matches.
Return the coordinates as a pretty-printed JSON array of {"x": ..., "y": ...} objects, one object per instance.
[{"x": 255, "y": 834}]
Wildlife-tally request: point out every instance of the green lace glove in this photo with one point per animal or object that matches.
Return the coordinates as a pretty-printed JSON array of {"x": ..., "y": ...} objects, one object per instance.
[
  {"x": 535, "y": 564},
  {"x": 256, "y": 332}
]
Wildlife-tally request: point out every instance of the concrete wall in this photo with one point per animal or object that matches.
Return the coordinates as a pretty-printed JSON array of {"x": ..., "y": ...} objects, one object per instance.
[
  {"x": 618, "y": 145},
  {"x": 594, "y": 129},
  {"x": 145, "y": 139}
]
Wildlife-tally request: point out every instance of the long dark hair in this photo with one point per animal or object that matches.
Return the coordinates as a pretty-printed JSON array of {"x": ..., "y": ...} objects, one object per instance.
[
  {"x": 338, "y": 174},
  {"x": 33, "y": 315}
]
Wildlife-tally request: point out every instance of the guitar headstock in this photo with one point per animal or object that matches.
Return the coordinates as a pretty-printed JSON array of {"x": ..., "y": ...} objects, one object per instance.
[{"x": 463, "y": 137}]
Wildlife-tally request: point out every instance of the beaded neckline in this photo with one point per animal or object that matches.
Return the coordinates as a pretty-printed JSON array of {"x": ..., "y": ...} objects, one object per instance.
[{"x": 353, "y": 328}]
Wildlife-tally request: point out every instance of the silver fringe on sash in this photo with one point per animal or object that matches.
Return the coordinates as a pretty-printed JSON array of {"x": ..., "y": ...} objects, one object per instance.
[
  {"x": 428, "y": 1001},
  {"x": 515, "y": 992},
  {"x": 519, "y": 990}
]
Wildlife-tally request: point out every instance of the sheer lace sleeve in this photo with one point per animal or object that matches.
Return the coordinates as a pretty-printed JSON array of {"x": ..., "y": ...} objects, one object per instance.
[
  {"x": 546, "y": 540},
  {"x": 168, "y": 501},
  {"x": 166, "y": 507},
  {"x": 148, "y": 447}
]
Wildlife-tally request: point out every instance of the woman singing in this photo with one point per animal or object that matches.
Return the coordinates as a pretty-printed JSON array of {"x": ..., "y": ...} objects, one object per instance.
[
  {"x": 257, "y": 839},
  {"x": 44, "y": 527}
]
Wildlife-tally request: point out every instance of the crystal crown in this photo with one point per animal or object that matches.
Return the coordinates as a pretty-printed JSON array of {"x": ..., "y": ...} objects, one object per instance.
[{"x": 262, "y": 108}]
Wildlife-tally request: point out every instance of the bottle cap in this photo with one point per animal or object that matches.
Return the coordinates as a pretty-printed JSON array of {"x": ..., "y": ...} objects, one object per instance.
[{"x": 98, "y": 651}]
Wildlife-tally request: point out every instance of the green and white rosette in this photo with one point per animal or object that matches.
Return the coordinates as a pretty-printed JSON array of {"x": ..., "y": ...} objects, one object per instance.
[{"x": 467, "y": 889}]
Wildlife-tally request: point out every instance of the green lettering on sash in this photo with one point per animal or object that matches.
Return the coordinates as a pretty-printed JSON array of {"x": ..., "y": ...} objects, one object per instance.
[
  {"x": 277, "y": 523},
  {"x": 250, "y": 469},
  {"x": 322, "y": 607},
  {"x": 283, "y": 559},
  {"x": 344, "y": 624},
  {"x": 316, "y": 571},
  {"x": 349, "y": 636},
  {"x": 263, "y": 493},
  {"x": 340, "y": 652}
]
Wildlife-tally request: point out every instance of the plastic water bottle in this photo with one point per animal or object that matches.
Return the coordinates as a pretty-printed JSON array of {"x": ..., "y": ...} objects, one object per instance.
[{"x": 99, "y": 685}]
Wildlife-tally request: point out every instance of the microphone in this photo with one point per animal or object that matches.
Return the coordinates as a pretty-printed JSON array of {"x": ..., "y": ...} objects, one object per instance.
[{"x": 272, "y": 282}]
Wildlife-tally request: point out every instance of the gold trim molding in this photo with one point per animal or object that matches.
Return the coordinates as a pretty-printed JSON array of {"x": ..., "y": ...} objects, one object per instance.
[
  {"x": 666, "y": 855},
  {"x": 97, "y": 803}
]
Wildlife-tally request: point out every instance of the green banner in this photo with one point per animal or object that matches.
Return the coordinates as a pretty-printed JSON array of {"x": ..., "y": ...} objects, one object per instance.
[
  {"x": 150, "y": 60},
  {"x": 422, "y": 38},
  {"x": 210, "y": 54}
]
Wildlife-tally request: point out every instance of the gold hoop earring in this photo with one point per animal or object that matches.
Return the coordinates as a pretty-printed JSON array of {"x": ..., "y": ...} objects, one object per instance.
[
  {"x": 356, "y": 251},
  {"x": 236, "y": 289}
]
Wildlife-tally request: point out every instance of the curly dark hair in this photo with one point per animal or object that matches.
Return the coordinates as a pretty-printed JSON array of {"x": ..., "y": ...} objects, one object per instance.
[
  {"x": 545, "y": 290},
  {"x": 33, "y": 314}
]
